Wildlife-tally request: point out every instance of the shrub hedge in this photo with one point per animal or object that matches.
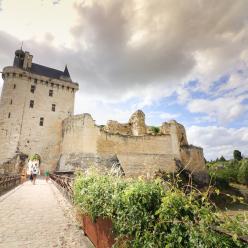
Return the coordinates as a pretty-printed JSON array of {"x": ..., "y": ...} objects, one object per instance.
[{"x": 150, "y": 213}]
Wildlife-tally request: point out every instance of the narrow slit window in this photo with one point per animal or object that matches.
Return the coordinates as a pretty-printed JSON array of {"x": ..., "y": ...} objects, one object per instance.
[
  {"x": 50, "y": 92},
  {"x": 32, "y": 90},
  {"x": 11, "y": 102},
  {"x": 9, "y": 115},
  {"x": 53, "y": 107},
  {"x": 14, "y": 86},
  {"x": 41, "y": 121},
  {"x": 31, "y": 103}
]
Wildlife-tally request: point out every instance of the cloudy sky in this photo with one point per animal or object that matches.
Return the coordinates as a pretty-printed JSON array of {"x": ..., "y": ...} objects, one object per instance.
[{"x": 174, "y": 59}]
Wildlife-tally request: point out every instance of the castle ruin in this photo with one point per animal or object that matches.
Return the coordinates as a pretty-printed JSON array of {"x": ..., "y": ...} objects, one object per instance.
[{"x": 36, "y": 116}]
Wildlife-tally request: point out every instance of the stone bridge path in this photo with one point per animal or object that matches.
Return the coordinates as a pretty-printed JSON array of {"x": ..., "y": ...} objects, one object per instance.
[{"x": 38, "y": 216}]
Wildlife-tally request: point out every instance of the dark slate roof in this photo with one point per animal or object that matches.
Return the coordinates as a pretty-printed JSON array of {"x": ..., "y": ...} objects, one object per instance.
[
  {"x": 49, "y": 72},
  {"x": 66, "y": 73}
]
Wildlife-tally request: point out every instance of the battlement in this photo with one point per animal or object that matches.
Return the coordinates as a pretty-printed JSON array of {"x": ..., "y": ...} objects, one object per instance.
[{"x": 11, "y": 72}]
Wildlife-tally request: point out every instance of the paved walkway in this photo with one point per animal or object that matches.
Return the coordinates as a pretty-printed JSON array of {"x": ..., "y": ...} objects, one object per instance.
[{"x": 38, "y": 216}]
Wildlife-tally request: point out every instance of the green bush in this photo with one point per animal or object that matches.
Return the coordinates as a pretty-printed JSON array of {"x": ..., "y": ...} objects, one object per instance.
[
  {"x": 95, "y": 193},
  {"x": 243, "y": 172},
  {"x": 155, "y": 130},
  {"x": 135, "y": 207},
  {"x": 224, "y": 172},
  {"x": 150, "y": 213},
  {"x": 187, "y": 222}
]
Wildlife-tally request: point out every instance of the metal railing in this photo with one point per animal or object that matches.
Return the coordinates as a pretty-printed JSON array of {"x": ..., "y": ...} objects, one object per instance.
[
  {"x": 64, "y": 184},
  {"x": 8, "y": 182}
]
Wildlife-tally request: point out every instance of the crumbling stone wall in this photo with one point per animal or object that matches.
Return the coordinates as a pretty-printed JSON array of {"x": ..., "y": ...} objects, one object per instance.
[
  {"x": 177, "y": 129},
  {"x": 137, "y": 121},
  {"x": 193, "y": 160},
  {"x": 114, "y": 127},
  {"x": 139, "y": 153},
  {"x": 136, "y": 125}
]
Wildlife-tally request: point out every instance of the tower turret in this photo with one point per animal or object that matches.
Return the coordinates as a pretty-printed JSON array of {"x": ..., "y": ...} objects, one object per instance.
[
  {"x": 19, "y": 58},
  {"x": 66, "y": 74}
]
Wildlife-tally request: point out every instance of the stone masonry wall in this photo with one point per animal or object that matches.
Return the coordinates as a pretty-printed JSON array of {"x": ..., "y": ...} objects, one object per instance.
[
  {"x": 20, "y": 129},
  {"x": 139, "y": 155},
  {"x": 86, "y": 144}
]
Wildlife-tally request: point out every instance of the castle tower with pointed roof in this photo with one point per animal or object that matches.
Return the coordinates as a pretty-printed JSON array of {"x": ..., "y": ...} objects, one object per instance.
[{"x": 34, "y": 101}]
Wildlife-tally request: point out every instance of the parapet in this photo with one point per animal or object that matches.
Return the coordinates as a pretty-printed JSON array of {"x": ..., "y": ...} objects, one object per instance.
[{"x": 136, "y": 125}]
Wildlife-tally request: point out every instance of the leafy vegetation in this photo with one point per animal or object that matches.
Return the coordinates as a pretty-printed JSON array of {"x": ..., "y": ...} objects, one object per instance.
[
  {"x": 155, "y": 130},
  {"x": 224, "y": 172},
  {"x": 243, "y": 172},
  {"x": 151, "y": 213}
]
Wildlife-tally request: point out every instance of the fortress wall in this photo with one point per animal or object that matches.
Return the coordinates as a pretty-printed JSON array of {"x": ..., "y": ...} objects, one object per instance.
[
  {"x": 79, "y": 138},
  {"x": 85, "y": 144},
  {"x": 79, "y": 135},
  {"x": 192, "y": 157},
  {"x": 148, "y": 144},
  {"x": 139, "y": 155}
]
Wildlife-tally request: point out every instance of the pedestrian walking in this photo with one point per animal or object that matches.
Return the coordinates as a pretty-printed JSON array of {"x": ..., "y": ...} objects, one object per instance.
[{"x": 47, "y": 175}]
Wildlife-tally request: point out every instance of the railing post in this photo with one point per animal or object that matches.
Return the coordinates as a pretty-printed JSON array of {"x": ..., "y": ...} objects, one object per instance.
[{"x": 64, "y": 184}]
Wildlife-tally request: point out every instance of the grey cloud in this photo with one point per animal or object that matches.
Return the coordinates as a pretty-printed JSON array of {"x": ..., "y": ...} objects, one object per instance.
[
  {"x": 175, "y": 30},
  {"x": 56, "y": 2},
  {"x": 8, "y": 44},
  {"x": 106, "y": 63}
]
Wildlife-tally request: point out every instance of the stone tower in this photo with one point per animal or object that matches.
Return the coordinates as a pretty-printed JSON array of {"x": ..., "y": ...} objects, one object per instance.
[{"x": 34, "y": 101}]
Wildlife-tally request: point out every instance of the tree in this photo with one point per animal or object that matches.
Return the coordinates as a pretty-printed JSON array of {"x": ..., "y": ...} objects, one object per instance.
[
  {"x": 155, "y": 130},
  {"x": 243, "y": 172},
  {"x": 237, "y": 155},
  {"x": 222, "y": 159}
]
